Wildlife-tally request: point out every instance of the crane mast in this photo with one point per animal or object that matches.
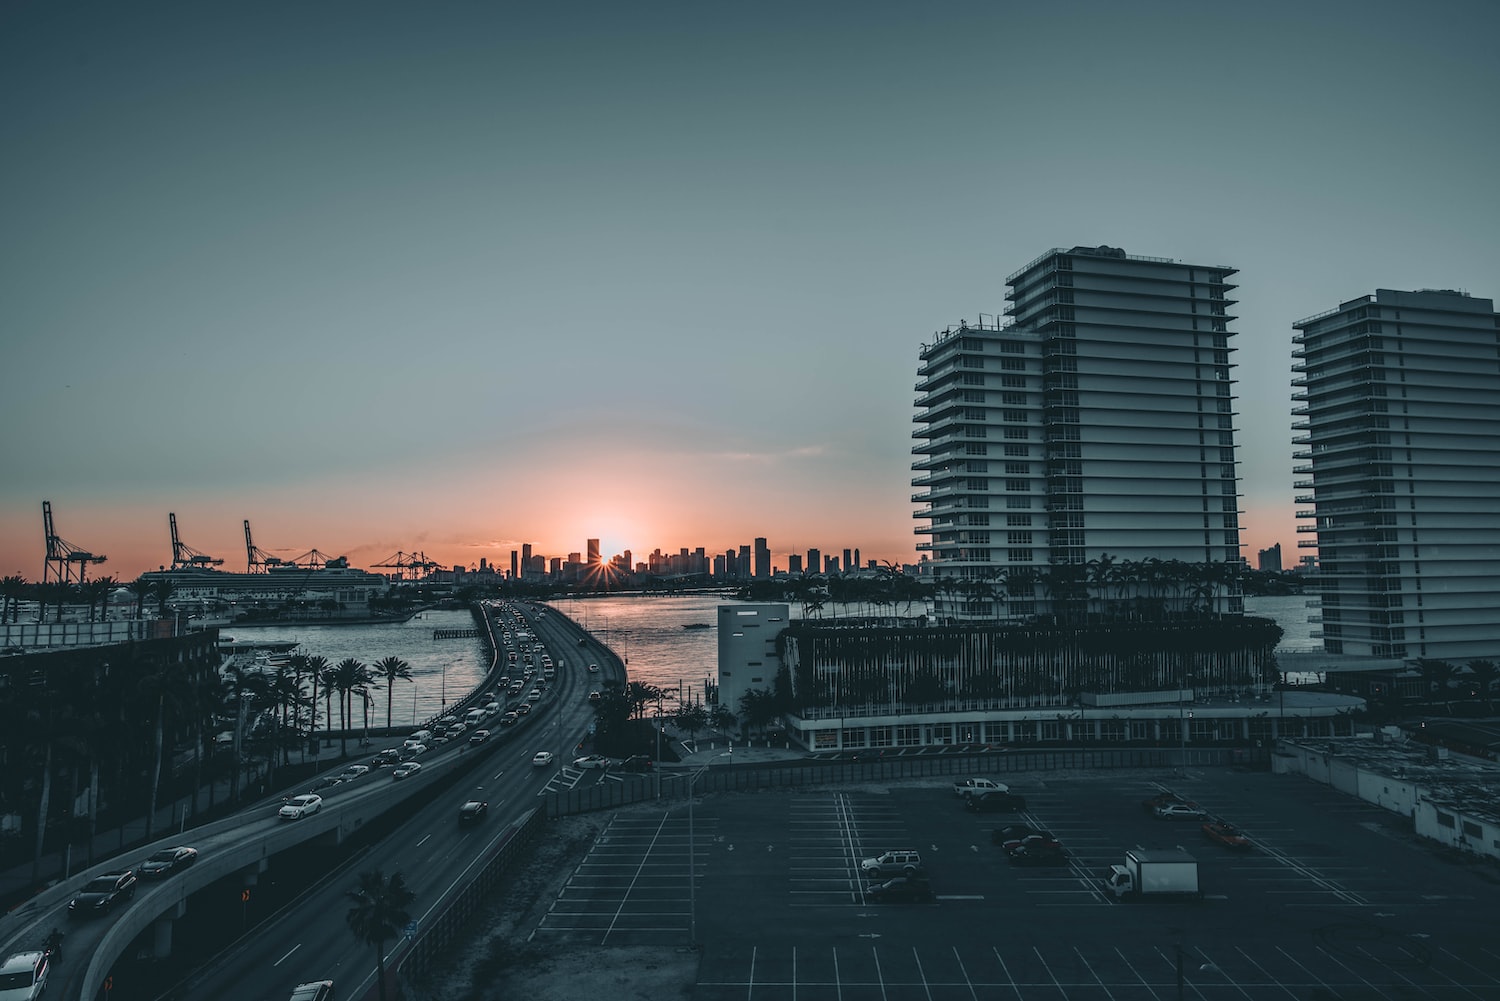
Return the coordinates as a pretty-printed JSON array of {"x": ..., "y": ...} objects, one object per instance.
[
  {"x": 184, "y": 555},
  {"x": 63, "y": 556},
  {"x": 257, "y": 559}
]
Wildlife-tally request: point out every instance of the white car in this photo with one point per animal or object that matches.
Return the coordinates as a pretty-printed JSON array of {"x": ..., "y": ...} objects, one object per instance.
[
  {"x": 542, "y": 759},
  {"x": 300, "y": 806},
  {"x": 978, "y": 787},
  {"x": 534, "y": 696},
  {"x": 591, "y": 761},
  {"x": 23, "y": 976},
  {"x": 406, "y": 770}
]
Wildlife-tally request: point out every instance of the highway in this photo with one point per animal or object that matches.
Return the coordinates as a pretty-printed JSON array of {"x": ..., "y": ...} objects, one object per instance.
[{"x": 309, "y": 939}]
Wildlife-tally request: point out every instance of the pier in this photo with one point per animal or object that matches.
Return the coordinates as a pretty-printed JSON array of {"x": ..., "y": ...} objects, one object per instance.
[{"x": 455, "y": 634}]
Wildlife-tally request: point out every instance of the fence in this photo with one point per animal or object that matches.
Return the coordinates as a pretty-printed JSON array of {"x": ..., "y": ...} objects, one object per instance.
[
  {"x": 453, "y": 914},
  {"x": 745, "y": 778}
]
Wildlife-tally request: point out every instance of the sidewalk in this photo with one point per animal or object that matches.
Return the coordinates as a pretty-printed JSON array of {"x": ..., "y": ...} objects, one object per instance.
[{"x": 721, "y": 749}]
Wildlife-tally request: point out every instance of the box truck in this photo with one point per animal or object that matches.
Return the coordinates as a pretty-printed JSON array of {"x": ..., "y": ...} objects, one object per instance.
[{"x": 1155, "y": 873}]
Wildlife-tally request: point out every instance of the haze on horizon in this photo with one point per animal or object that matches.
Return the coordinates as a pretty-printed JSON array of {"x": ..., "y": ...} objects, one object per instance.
[{"x": 453, "y": 278}]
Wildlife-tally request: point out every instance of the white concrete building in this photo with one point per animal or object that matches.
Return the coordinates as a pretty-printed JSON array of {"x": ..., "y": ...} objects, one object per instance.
[
  {"x": 747, "y": 649},
  {"x": 1097, "y": 423},
  {"x": 1400, "y": 435}
]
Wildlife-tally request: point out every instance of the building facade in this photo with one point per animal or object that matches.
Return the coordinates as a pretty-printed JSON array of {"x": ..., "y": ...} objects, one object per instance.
[
  {"x": 1398, "y": 407},
  {"x": 1096, "y": 423}
]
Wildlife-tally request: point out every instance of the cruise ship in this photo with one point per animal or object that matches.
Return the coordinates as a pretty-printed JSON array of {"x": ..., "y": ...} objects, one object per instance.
[{"x": 330, "y": 578}]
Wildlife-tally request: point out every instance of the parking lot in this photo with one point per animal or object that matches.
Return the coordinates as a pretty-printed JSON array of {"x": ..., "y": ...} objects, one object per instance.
[{"x": 1333, "y": 900}]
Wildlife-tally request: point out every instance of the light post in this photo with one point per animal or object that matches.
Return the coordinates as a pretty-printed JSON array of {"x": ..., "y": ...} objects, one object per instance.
[
  {"x": 445, "y": 689},
  {"x": 693, "y": 856}
]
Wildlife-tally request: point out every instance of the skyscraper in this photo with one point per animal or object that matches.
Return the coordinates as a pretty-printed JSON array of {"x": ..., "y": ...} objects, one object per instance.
[
  {"x": 593, "y": 547},
  {"x": 1096, "y": 423},
  {"x": 762, "y": 559},
  {"x": 1399, "y": 398}
]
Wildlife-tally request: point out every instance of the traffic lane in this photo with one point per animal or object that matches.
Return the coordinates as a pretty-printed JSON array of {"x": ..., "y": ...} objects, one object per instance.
[{"x": 311, "y": 939}]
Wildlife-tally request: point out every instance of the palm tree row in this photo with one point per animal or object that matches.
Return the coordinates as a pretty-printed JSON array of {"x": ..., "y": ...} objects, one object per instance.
[{"x": 56, "y": 595}]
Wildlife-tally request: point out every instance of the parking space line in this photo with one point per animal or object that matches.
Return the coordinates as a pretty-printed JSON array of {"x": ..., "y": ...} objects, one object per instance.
[
  {"x": 921, "y": 973},
  {"x": 973, "y": 994},
  {"x": 1275, "y": 981},
  {"x": 633, "y": 881},
  {"x": 1327, "y": 954},
  {"x": 838, "y": 981},
  {"x": 878, "y": 975},
  {"x": 1050, "y": 974},
  {"x": 1298, "y": 963},
  {"x": 1098, "y": 979},
  {"x": 794, "y": 973},
  {"x": 1005, "y": 969},
  {"x": 750, "y": 980},
  {"x": 1490, "y": 973},
  {"x": 1220, "y": 970},
  {"x": 1137, "y": 974}
]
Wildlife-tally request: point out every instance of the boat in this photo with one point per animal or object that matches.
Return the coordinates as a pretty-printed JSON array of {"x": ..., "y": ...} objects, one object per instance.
[{"x": 697, "y": 625}]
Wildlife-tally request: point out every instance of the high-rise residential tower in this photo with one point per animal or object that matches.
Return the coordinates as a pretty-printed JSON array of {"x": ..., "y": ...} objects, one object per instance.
[
  {"x": 1399, "y": 407},
  {"x": 1095, "y": 425}
]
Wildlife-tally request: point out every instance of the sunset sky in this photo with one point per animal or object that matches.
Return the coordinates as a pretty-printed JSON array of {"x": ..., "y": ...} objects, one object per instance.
[{"x": 453, "y": 277}]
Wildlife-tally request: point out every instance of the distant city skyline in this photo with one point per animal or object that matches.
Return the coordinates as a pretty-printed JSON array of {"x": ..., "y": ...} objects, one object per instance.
[{"x": 415, "y": 288}]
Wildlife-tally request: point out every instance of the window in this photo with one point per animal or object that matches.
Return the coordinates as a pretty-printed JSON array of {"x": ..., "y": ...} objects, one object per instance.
[
  {"x": 1012, "y": 347},
  {"x": 1023, "y": 520},
  {"x": 976, "y": 448},
  {"x": 973, "y": 396},
  {"x": 978, "y": 483},
  {"x": 1013, "y": 381},
  {"x": 1019, "y": 556},
  {"x": 1013, "y": 399},
  {"x": 1018, "y": 538},
  {"x": 976, "y": 466},
  {"x": 1018, "y": 468},
  {"x": 1013, "y": 364},
  {"x": 1018, "y": 486},
  {"x": 1017, "y": 450},
  {"x": 973, "y": 379},
  {"x": 1021, "y": 503},
  {"x": 1016, "y": 433},
  {"x": 1014, "y": 416}
]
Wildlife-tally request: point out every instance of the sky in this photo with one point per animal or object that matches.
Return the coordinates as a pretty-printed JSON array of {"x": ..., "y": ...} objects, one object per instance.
[{"x": 453, "y": 277}]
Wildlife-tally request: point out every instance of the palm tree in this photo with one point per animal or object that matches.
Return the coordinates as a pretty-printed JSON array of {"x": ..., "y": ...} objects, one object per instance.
[
  {"x": 721, "y": 717},
  {"x": 1485, "y": 672},
  {"x": 165, "y": 687},
  {"x": 392, "y": 669},
  {"x": 349, "y": 676},
  {"x": 96, "y": 593},
  {"x": 163, "y": 589},
  {"x": 12, "y": 587},
  {"x": 317, "y": 669},
  {"x": 142, "y": 589},
  {"x": 380, "y": 914},
  {"x": 639, "y": 694}
]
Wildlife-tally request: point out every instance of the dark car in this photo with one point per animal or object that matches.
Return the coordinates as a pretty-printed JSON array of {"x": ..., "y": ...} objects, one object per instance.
[
  {"x": 1011, "y": 833},
  {"x": 100, "y": 894},
  {"x": 635, "y": 763},
  {"x": 389, "y": 756},
  {"x": 473, "y": 811},
  {"x": 995, "y": 802},
  {"x": 901, "y": 889},
  {"x": 317, "y": 990},
  {"x": 1226, "y": 834},
  {"x": 168, "y": 861},
  {"x": 1039, "y": 849}
]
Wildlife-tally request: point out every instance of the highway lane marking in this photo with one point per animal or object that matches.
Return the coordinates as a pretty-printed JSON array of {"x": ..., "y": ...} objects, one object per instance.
[
  {"x": 288, "y": 954},
  {"x": 419, "y": 844}
]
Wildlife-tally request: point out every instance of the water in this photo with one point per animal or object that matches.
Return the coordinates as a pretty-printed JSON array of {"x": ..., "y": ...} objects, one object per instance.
[
  {"x": 443, "y": 671},
  {"x": 646, "y": 632}
]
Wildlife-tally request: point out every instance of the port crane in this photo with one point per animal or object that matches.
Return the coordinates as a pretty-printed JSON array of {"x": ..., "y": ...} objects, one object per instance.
[
  {"x": 417, "y": 563},
  {"x": 184, "y": 555},
  {"x": 258, "y": 560},
  {"x": 63, "y": 556}
]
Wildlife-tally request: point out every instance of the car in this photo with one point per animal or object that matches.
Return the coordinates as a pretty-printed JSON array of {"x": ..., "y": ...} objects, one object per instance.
[
  {"x": 389, "y": 756},
  {"x": 595, "y": 696},
  {"x": 100, "y": 894},
  {"x": 1180, "y": 811},
  {"x": 1033, "y": 840},
  {"x": 440, "y": 740},
  {"x": 509, "y": 719},
  {"x": 591, "y": 761},
  {"x": 300, "y": 806},
  {"x": 903, "y": 861},
  {"x": 456, "y": 728},
  {"x": 995, "y": 802},
  {"x": 535, "y": 695},
  {"x": 1036, "y": 849},
  {"x": 523, "y": 708},
  {"x": 353, "y": 772},
  {"x": 635, "y": 763},
  {"x": 478, "y": 737},
  {"x": 317, "y": 990},
  {"x": 473, "y": 811},
  {"x": 593, "y": 668},
  {"x": 406, "y": 769},
  {"x": 1226, "y": 834},
  {"x": 167, "y": 861},
  {"x": 1039, "y": 854},
  {"x": 413, "y": 750},
  {"x": 1011, "y": 833},
  {"x": 491, "y": 707},
  {"x": 1150, "y": 803},
  {"x": 23, "y": 975},
  {"x": 901, "y": 889},
  {"x": 978, "y": 787},
  {"x": 541, "y": 759}
]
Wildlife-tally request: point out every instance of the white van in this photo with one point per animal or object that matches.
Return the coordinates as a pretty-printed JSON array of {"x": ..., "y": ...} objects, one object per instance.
[
  {"x": 420, "y": 737},
  {"x": 474, "y": 716}
]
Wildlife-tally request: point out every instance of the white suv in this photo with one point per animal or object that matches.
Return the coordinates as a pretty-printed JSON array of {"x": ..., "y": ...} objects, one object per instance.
[
  {"x": 23, "y": 976},
  {"x": 897, "y": 862}
]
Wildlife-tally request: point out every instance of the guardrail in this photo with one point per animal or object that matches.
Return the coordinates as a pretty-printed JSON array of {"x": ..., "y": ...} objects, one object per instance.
[{"x": 812, "y": 772}]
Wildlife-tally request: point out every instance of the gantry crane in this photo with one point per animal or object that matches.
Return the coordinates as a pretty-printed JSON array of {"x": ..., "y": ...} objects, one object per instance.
[
  {"x": 402, "y": 562},
  {"x": 62, "y": 556},
  {"x": 258, "y": 560},
  {"x": 184, "y": 555}
]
